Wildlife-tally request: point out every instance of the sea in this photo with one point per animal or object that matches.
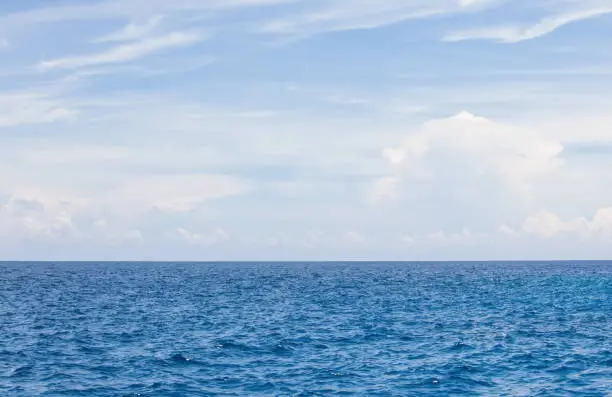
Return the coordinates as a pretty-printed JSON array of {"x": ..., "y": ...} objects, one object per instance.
[{"x": 306, "y": 329}]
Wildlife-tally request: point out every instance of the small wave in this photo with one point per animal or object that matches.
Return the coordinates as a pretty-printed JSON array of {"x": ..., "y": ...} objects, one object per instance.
[
  {"x": 181, "y": 359},
  {"x": 235, "y": 346},
  {"x": 283, "y": 350},
  {"x": 460, "y": 346},
  {"x": 389, "y": 329},
  {"x": 22, "y": 371}
]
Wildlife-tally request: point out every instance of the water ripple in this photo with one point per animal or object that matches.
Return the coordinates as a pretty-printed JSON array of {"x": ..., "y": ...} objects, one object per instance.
[{"x": 378, "y": 329}]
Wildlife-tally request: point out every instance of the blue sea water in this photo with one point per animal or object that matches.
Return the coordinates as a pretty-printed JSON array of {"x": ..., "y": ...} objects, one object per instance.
[{"x": 300, "y": 329}]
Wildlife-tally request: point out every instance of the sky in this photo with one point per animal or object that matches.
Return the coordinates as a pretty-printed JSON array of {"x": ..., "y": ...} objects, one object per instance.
[{"x": 305, "y": 129}]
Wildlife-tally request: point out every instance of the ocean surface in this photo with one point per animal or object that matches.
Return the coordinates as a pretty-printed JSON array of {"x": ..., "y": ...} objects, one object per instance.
[{"x": 302, "y": 329}]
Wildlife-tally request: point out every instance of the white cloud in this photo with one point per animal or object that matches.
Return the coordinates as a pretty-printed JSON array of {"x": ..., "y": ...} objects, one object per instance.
[
  {"x": 602, "y": 221},
  {"x": 548, "y": 225},
  {"x": 24, "y": 218},
  {"x": 339, "y": 15},
  {"x": 175, "y": 193},
  {"x": 105, "y": 209},
  {"x": 466, "y": 148},
  {"x": 385, "y": 188},
  {"x": 59, "y": 223},
  {"x": 514, "y": 34},
  {"x": 72, "y": 155},
  {"x": 438, "y": 237},
  {"x": 465, "y": 171},
  {"x": 507, "y": 231},
  {"x": 408, "y": 239},
  {"x": 544, "y": 224},
  {"x": 578, "y": 125},
  {"x": 354, "y": 237},
  {"x": 217, "y": 236},
  {"x": 96, "y": 182},
  {"x": 17, "y": 206},
  {"x": 133, "y": 31},
  {"x": 126, "y": 52},
  {"x": 120, "y": 9},
  {"x": 276, "y": 240},
  {"x": 31, "y": 108},
  {"x": 134, "y": 236}
]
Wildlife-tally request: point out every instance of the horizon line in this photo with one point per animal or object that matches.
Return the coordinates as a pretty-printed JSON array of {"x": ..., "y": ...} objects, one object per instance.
[{"x": 334, "y": 261}]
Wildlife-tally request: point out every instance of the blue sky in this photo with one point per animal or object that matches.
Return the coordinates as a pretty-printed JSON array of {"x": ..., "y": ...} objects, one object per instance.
[{"x": 305, "y": 129}]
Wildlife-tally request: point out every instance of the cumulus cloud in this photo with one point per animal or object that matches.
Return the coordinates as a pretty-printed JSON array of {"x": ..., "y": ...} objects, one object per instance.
[
  {"x": 465, "y": 171},
  {"x": 133, "y": 236},
  {"x": 21, "y": 207},
  {"x": 483, "y": 145},
  {"x": 545, "y": 224},
  {"x": 466, "y": 149},
  {"x": 548, "y": 225},
  {"x": 506, "y": 230},
  {"x": 385, "y": 188},
  {"x": 27, "y": 218},
  {"x": 354, "y": 237},
  {"x": 217, "y": 236}
]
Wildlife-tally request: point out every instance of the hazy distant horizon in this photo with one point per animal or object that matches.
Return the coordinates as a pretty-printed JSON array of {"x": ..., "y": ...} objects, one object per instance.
[{"x": 317, "y": 261}]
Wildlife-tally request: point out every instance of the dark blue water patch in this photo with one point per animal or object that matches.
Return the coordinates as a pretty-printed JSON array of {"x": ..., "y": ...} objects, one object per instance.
[{"x": 305, "y": 329}]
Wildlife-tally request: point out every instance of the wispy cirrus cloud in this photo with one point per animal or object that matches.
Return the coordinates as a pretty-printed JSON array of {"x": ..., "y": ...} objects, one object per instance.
[
  {"x": 516, "y": 33},
  {"x": 126, "y": 52},
  {"x": 119, "y": 9},
  {"x": 343, "y": 15},
  {"x": 20, "y": 108},
  {"x": 133, "y": 31}
]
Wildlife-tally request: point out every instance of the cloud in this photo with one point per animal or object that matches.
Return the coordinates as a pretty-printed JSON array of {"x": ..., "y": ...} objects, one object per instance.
[
  {"x": 132, "y": 32},
  {"x": 515, "y": 34},
  {"x": 215, "y": 237},
  {"x": 103, "y": 209},
  {"x": 17, "y": 108},
  {"x": 145, "y": 154},
  {"x": 133, "y": 236},
  {"x": 507, "y": 231},
  {"x": 126, "y": 52},
  {"x": 342, "y": 15},
  {"x": 548, "y": 225},
  {"x": 467, "y": 147},
  {"x": 544, "y": 224},
  {"x": 353, "y": 237},
  {"x": 101, "y": 181},
  {"x": 465, "y": 171},
  {"x": 23, "y": 219},
  {"x": 385, "y": 188},
  {"x": 21, "y": 207},
  {"x": 175, "y": 193},
  {"x": 120, "y": 9},
  {"x": 73, "y": 155},
  {"x": 26, "y": 218}
]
